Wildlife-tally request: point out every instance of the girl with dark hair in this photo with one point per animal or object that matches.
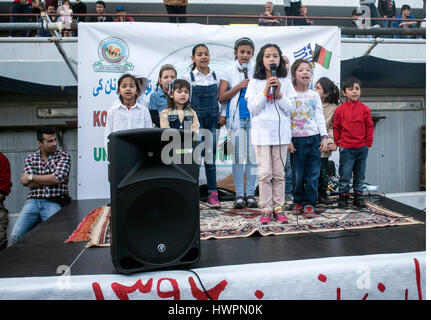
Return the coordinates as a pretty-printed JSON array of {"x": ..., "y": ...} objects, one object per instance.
[
  {"x": 330, "y": 97},
  {"x": 270, "y": 100},
  {"x": 233, "y": 87},
  {"x": 309, "y": 138},
  {"x": 127, "y": 113},
  {"x": 204, "y": 100},
  {"x": 179, "y": 114}
]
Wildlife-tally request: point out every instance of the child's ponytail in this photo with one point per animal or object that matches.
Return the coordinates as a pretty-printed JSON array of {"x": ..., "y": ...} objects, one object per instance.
[{"x": 331, "y": 89}]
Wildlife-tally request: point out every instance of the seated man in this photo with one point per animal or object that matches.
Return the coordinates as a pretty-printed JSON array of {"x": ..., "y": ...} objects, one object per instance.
[
  {"x": 405, "y": 14},
  {"x": 123, "y": 18},
  {"x": 269, "y": 11},
  {"x": 101, "y": 9},
  {"x": 50, "y": 10},
  {"x": 46, "y": 174}
]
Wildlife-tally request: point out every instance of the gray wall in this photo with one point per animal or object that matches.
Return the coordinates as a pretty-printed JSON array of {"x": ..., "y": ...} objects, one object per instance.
[
  {"x": 394, "y": 161},
  {"x": 18, "y": 121}
]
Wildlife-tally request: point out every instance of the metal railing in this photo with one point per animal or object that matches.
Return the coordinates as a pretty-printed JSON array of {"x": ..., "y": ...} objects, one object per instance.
[
  {"x": 347, "y": 31},
  {"x": 207, "y": 17}
]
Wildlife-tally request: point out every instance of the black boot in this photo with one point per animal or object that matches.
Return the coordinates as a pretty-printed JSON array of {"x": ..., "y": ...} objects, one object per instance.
[
  {"x": 323, "y": 199},
  {"x": 359, "y": 200},
  {"x": 239, "y": 202},
  {"x": 342, "y": 201}
]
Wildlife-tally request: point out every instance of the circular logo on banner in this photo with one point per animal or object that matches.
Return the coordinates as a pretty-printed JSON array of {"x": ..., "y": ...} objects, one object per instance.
[
  {"x": 113, "y": 50},
  {"x": 113, "y": 54}
]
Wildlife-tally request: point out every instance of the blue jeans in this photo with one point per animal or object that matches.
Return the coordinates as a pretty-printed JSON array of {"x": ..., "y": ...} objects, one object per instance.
[
  {"x": 20, "y": 8},
  {"x": 406, "y": 37},
  {"x": 306, "y": 169},
  {"x": 32, "y": 213},
  {"x": 352, "y": 160},
  {"x": 288, "y": 175},
  {"x": 209, "y": 122},
  {"x": 244, "y": 161}
]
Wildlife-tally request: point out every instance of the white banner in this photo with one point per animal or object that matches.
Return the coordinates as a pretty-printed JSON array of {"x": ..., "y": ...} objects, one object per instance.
[
  {"x": 106, "y": 50},
  {"x": 371, "y": 277}
]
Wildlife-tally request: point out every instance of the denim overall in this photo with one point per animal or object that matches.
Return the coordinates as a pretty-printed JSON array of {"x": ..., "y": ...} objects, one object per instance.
[
  {"x": 175, "y": 123},
  {"x": 204, "y": 101}
]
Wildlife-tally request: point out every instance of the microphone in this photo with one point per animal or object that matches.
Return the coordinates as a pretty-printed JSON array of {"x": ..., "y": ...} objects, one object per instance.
[
  {"x": 273, "y": 68},
  {"x": 244, "y": 69}
]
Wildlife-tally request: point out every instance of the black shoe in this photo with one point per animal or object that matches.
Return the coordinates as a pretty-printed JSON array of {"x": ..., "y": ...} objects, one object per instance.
[
  {"x": 358, "y": 201},
  {"x": 251, "y": 202},
  {"x": 239, "y": 202},
  {"x": 323, "y": 199},
  {"x": 342, "y": 201}
]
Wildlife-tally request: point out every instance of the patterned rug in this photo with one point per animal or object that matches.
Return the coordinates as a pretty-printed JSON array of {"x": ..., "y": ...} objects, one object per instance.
[{"x": 234, "y": 223}]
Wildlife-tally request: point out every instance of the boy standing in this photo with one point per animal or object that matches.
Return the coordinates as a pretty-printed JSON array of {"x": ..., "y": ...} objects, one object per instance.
[{"x": 353, "y": 133}]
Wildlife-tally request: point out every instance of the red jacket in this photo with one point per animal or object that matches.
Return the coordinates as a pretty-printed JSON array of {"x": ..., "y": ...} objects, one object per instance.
[
  {"x": 353, "y": 126},
  {"x": 5, "y": 182}
]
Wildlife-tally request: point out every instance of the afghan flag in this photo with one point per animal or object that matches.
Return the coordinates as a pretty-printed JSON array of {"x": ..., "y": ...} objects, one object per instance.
[{"x": 322, "y": 56}]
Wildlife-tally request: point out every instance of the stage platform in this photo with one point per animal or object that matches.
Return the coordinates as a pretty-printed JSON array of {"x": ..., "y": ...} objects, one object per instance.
[{"x": 367, "y": 263}]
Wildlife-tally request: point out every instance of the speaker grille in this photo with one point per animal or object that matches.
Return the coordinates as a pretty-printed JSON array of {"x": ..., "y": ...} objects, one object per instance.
[{"x": 159, "y": 219}]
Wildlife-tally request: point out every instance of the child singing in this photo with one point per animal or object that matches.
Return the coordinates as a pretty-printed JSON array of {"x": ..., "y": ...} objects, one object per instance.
[
  {"x": 204, "y": 100},
  {"x": 309, "y": 139},
  {"x": 127, "y": 113},
  {"x": 270, "y": 102},
  {"x": 233, "y": 87}
]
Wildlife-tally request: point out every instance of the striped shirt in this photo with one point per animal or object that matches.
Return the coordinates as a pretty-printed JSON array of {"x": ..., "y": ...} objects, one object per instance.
[{"x": 58, "y": 164}]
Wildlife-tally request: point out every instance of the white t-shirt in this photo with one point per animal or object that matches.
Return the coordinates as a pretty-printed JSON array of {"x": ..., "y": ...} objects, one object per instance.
[
  {"x": 307, "y": 117},
  {"x": 270, "y": 123},
  {"x": 119, "y": 118}
]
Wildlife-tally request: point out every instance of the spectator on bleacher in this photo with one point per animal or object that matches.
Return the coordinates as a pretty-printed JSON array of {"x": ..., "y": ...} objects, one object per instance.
[
  {"x": 373, "y": 10},
  {"x": 50, "y": 10},
  {"x": 387, "y": 9},
  {"x": 100, "y": 10},
  {"x": 356, "y": 22},
  {"x": 405, "y": 14},
  {"x": 292, "y": 8},
  {"x": 46, "y": 175},
  {"x": 79, "y": 7},
  {"x": 269, "y": 11},
  {"x": 304, "y": 21},
  {"x": 123, "y": 18},
  {"x": 65, "y": 16},
  {"x": 176, "y": 7},
  {"x": 5, "y": 185},
  {"x": 19, "y": 7}
]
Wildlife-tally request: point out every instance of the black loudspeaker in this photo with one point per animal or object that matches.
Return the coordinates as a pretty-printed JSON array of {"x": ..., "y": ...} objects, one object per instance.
[{"x": 154, "y": 185}]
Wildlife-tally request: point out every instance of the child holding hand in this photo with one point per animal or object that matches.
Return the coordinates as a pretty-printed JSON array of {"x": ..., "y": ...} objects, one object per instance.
[{"x": 309, "y": 138}]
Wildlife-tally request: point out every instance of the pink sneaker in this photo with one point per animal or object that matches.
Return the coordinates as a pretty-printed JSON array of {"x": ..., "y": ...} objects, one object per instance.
[
  {"x": 213, "y": 200},
  {"x": 309, "y": 212},
  {"x": 297, "y": 210},
  {"x": 266, "y": 216},
  {"x": 279, "y": 214}
]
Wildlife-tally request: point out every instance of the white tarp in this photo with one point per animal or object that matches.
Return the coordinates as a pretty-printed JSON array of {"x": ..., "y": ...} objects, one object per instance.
[
  {"x": 370, "y": 277},
  {"x": 106, "y": 50}
]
